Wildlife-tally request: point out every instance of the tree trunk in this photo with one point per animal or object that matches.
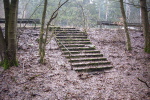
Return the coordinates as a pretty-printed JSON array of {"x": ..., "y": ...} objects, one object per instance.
[
  {"x": 44, "y": 38},
  {"x": 6, "y": 8},
  {"x": 41, "y": 42},
  {"x": 145, "y": 23},
  {"x": 128, "y": 42},
  {"x": 2, "y": 45},
  {"x": 12, "y": 29}
]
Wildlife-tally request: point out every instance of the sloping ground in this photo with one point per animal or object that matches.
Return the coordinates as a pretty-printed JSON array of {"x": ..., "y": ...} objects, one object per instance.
[
  {"x": 80, "y": 52},
  {"x": 55, "y": 81}
]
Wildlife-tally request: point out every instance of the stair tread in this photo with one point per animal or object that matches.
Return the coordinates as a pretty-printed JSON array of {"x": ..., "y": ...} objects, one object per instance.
[
  {"x": 93, "y": 68},
  {"x": 71, "y": 36},
  {"x": 88, "y": 58},
  {"x": 90, "y": 62},
  {"x": 73, "y": 39},
  {"x": 89, "y": 51},
  {"x": 62, "y": 34},
  {"x": 83, "y": 55},
  {"x": 78, "y": 47},
  {"x": 76, "y": 42},
  {"x": 69, "y": 32},
  {"x": 72, "y": 45}
]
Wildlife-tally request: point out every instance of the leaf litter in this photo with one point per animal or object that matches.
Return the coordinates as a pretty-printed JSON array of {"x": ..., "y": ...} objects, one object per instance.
[{"x": 56, "y": 81}]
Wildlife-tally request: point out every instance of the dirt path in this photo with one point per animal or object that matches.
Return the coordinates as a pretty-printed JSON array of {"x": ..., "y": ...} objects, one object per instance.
[{"x": 56, "y": 80}]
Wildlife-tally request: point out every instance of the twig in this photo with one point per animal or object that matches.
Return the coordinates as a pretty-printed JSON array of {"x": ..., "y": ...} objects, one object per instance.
[
  {"x": 24, "y": 11},
  {"x": 34, "y": 11},
  {"x": 23, "y": 68},
  {"x": 143, "y": 82}
]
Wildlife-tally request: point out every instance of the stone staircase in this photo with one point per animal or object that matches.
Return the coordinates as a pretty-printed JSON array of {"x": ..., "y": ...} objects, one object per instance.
[{"x": 79, "y": 51}]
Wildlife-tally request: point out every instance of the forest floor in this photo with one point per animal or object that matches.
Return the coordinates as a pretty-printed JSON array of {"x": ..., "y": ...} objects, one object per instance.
[{"x": 128, "y": 80}]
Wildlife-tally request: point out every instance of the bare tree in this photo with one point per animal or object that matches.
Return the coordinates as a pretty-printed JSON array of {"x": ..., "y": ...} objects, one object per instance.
[
  {"x": 11, "y": 9},
  {"x": 43, "y": 40},
  {"x": 84, "y": 18},
  {"x": 146, "y": 26},
  {"x": 128, "y": 42}
]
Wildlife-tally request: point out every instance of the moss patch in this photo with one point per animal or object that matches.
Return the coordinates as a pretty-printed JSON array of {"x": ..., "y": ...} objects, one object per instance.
[
  {"x": 147, "y": 50},
  {"x": 7, "y": 64}
]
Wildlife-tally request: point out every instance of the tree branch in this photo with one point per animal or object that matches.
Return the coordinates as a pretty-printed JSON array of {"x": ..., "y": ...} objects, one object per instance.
[
  {"x": 34, "y": 11},
  {"x": 56, "y": 11}
]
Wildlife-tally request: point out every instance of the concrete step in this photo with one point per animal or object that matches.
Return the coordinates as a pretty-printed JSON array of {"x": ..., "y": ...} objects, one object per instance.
[
  {"x": 68, "y": 37},
  {"x": 75, "y": 42},
  {"x": 73, "y": 39},
  {"x": 83, "y": 55},
  {"x": 72, "y": 45},
  {"x": 87, "y": 59},
  {"x": 67, "y": 28},
  {"x": 93, "y": 51},
  {"x": 78, "y": 52},
  {"x": 77, "y": 45},
  {"x": 77, "y": 48},
  {"x": 93, "y": 68},
  {"x": 91, "y": 63},
  {"x": 68, "y": 32}
]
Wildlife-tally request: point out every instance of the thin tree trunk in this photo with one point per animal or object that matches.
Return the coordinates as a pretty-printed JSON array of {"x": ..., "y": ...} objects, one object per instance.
[
  {"x": 84, "y": 18},
  {"x": 12, "y": 29},
  {"x": 41, "y": 42},
  {"x": 106, "y": 16},
  {"x": 128, "y": 42},
  {"x": 145, "y": 23},
  {"x": 99, "y": 14},
  {"x": 127, "y": 10},
  {"x": 2, "y": 45},
  {"x": 24, "y": 11}
]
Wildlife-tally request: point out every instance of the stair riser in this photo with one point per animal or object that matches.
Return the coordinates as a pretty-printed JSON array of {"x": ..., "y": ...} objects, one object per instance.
[
  {"x": 72, "y": 46},
  {"x": 67, "y": 53},
  {"x": 92, "y": 52},
  {"x": 71, "y": 37},
  {"x": 73, "y": 40},
  {"x": 91, "y": 64},
  {"x": 69, "y": 32},
  {"x": 66, "y": 28},
  {"x": 78, "y": 49},
  {"x": 75, "y": 43},
  {"x": 93, "y": 69},
  {"x": 74, "y": 61},
  {"x": 84, "y": 56}
]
